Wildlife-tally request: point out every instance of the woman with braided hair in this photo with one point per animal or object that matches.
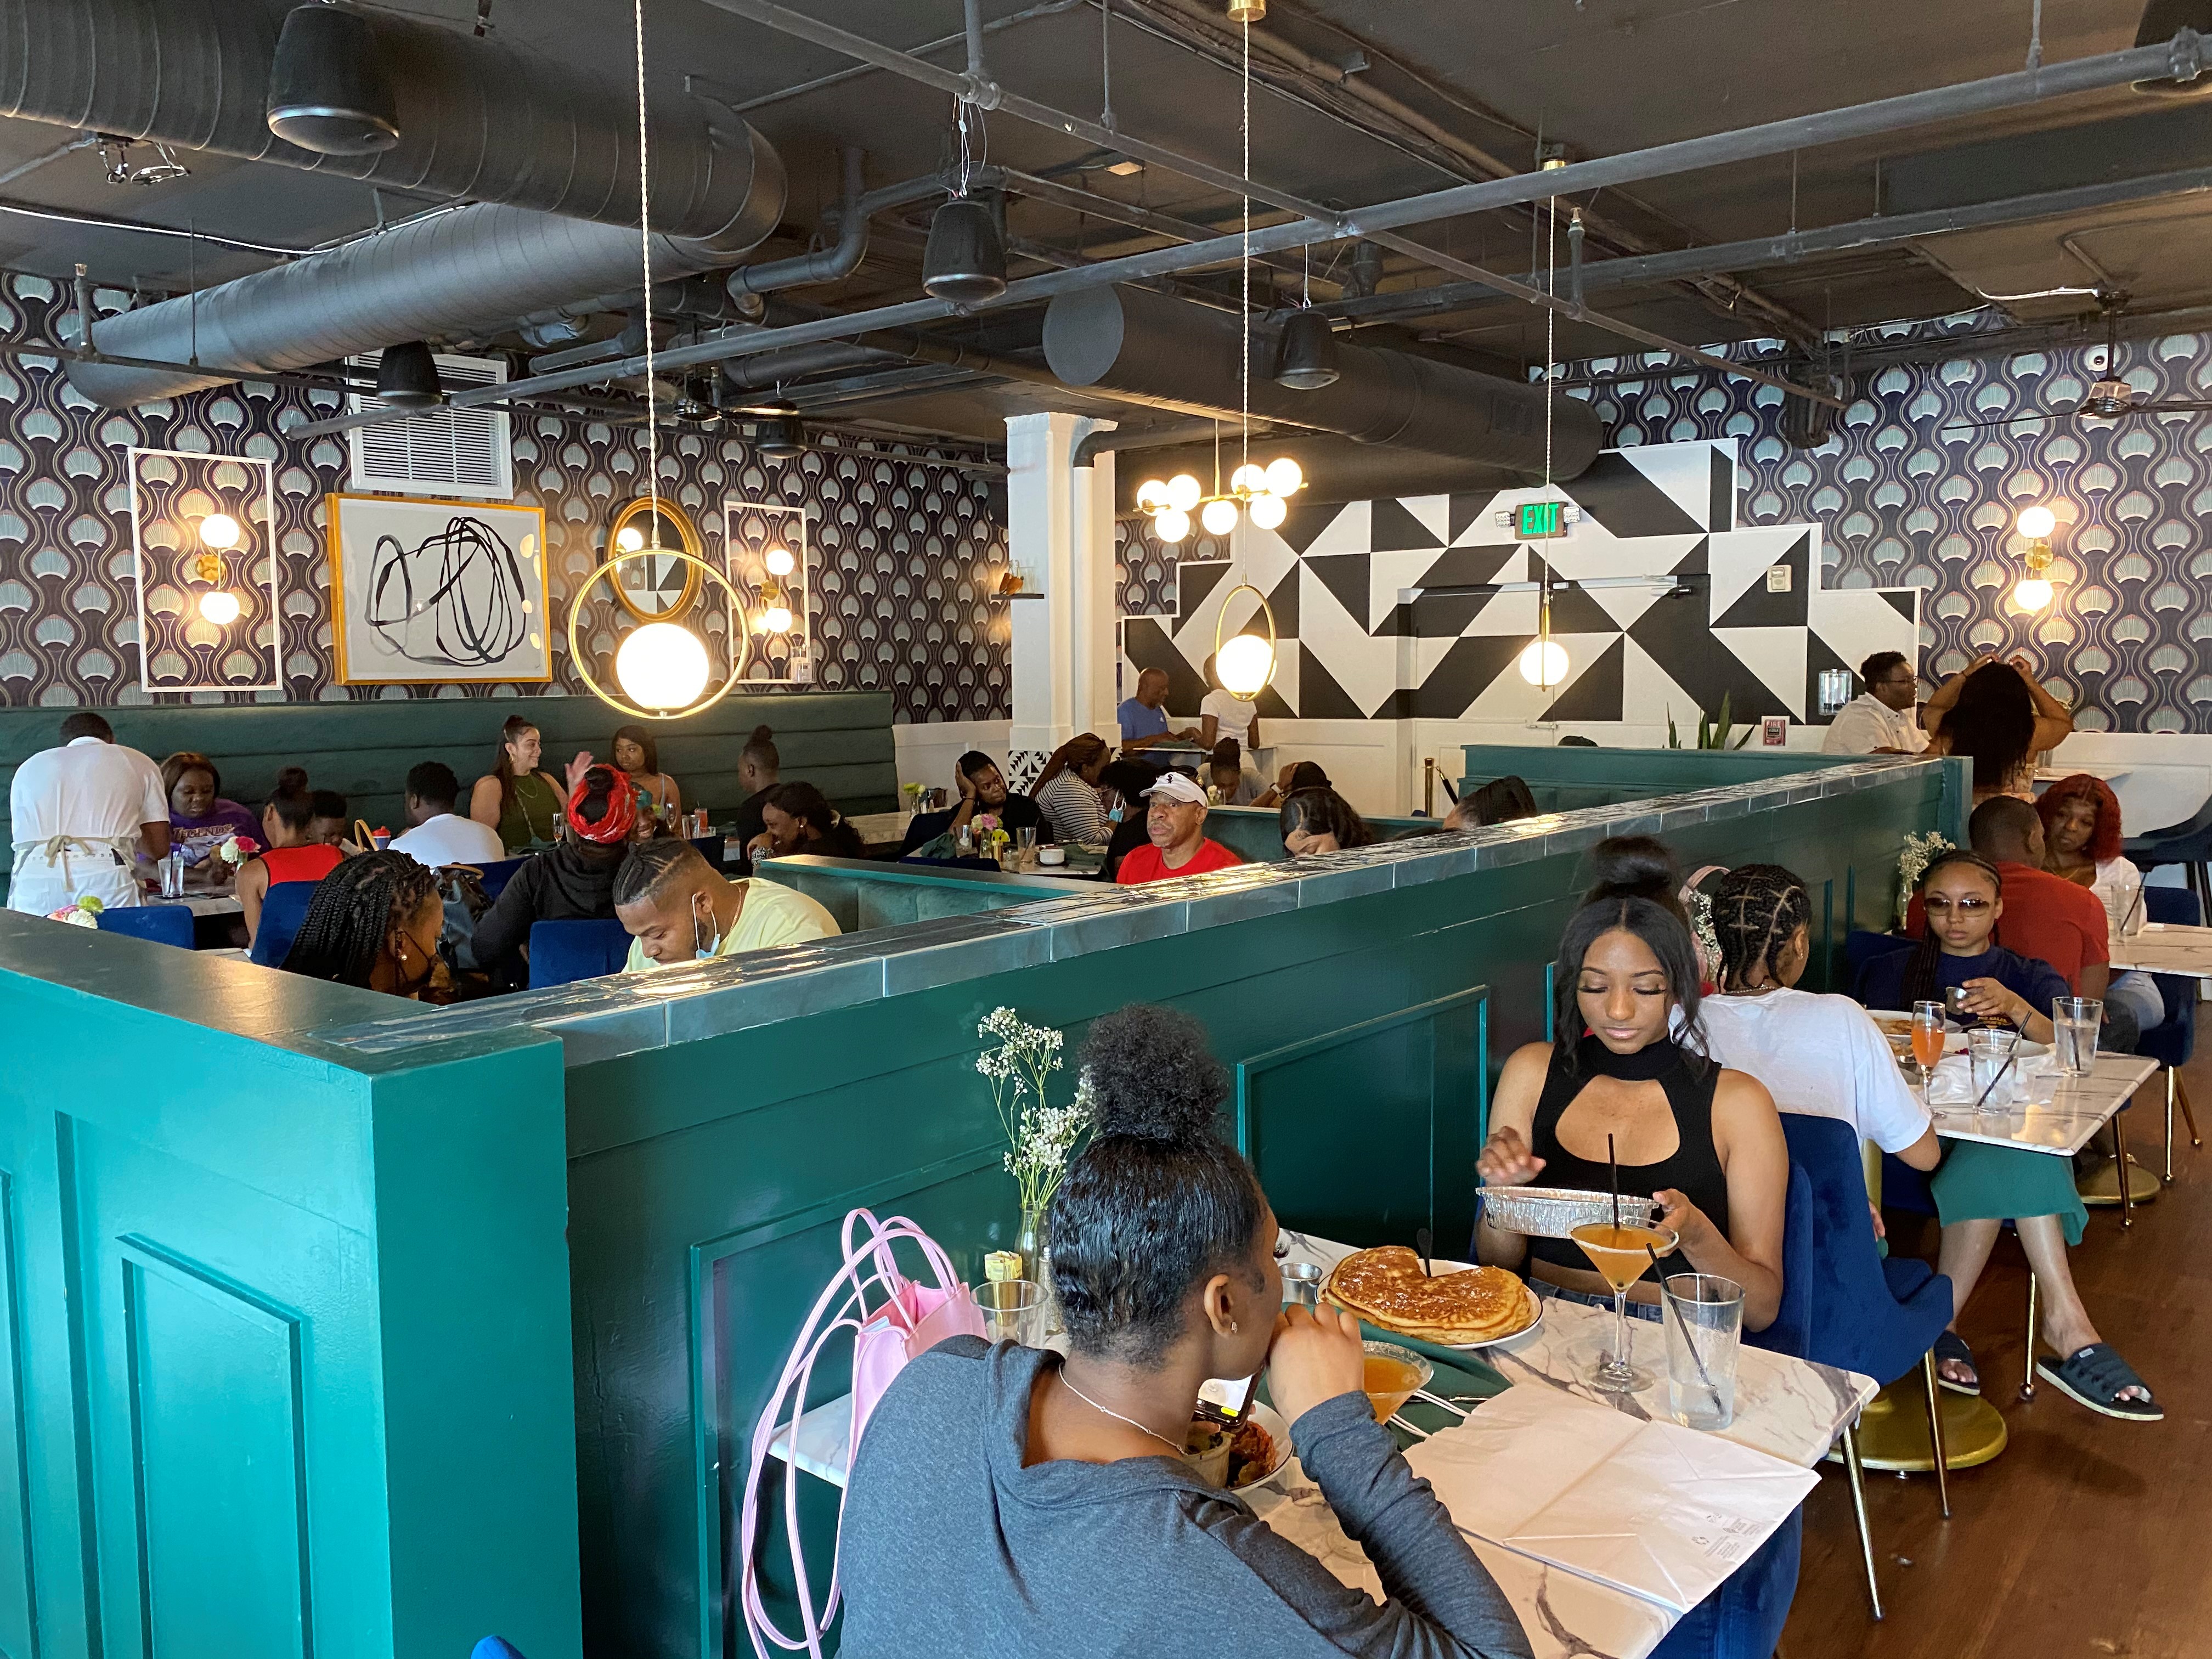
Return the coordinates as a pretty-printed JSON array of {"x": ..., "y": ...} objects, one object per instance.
[
  {"x": 1979, "y": 1186},
  {"x": 375, "y": 922}
]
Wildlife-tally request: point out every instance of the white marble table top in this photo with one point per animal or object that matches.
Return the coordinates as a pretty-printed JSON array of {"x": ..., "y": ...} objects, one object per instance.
[
  {"x": 1788, "y": 1408},
  {"x": 2080, "y": 1106},
  {"x": 204, "y": 904},
  {"x": 2166, "y": 948}
]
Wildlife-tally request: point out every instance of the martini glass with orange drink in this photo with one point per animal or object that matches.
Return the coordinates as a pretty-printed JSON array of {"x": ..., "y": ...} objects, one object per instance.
[
  {"x": 1928, "y": 1031},
  {"x": 1621, "y": 1251}
]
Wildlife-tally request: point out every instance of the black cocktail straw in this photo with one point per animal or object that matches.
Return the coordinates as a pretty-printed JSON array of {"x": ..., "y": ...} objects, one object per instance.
[{"x": 1615, "y": 1164}]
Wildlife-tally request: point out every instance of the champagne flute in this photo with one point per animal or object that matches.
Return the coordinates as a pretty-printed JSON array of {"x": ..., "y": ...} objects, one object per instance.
[{"x": 1927, "y": 1031}]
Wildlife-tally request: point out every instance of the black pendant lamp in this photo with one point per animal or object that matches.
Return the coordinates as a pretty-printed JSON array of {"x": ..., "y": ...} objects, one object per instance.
[
  {"x": 1308, "y": 360},
  {"x": 407, "y": 377},
  {"x": 965, "y": 261},
  {"x": 780, "y": 439},
  {"x": 328, "y": 91}
]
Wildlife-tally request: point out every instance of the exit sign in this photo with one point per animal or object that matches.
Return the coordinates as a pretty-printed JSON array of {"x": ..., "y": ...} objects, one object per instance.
[{"x": 1536, "y": 521}]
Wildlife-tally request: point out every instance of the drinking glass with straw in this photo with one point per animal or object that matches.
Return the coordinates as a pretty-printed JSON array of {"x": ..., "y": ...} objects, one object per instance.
[{"x": 1619, "y": 1251}]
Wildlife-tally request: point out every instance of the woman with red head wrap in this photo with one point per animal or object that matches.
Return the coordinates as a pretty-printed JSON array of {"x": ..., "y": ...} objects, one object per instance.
[
  {"x": 2081, "y": 841},
  {"x": 572, "y": 881}
]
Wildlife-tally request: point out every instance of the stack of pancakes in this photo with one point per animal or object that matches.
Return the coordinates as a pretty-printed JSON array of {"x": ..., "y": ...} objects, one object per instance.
[{"x": 1386, "y": 1287}]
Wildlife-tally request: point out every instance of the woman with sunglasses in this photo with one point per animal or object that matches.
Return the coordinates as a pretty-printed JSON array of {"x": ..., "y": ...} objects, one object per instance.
[{"x": 1980, "y": 1187}]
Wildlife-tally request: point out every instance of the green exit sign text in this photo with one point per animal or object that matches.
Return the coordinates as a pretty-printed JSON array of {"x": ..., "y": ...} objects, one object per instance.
[{"x": 1534, "y": 520}]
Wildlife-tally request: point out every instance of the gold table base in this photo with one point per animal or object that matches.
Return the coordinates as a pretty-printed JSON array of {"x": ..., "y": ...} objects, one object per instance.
[
  {"x": 1893, "y": 1430},
  {"x": 2100, "y": 1186}
]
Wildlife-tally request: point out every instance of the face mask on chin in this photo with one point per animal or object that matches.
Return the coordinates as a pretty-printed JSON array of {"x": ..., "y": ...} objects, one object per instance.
[{"x": 704, "y": 953}]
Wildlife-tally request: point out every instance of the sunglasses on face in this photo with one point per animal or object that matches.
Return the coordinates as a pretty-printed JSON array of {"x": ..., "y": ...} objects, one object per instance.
[{"x": 1966, "y": 907}]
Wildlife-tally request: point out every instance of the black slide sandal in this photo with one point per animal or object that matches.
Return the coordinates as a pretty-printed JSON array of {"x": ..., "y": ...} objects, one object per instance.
[
  {"x": 1950, "y": 1346},
  {"x": 2094, "y": 1376}
]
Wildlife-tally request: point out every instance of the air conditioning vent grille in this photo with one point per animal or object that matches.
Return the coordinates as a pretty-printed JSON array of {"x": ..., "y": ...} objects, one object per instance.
[{"x": 440, "y": 451}]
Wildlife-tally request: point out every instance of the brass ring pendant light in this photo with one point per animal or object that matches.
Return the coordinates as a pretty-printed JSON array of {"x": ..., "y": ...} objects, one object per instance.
[
  {"x": 581, "y": 660},
  {"x": 1274, "y": 656}
]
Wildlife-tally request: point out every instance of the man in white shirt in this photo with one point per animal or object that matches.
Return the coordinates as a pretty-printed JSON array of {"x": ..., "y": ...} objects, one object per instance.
[
  {"x": 80, "y": 813},
  {"x": 441, "y": 836},
  {"x": 1884, "y": 719}
]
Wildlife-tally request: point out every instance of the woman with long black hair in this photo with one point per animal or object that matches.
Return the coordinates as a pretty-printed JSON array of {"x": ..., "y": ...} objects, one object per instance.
[
  {"x": 1996, "y": 714},
  {"x": 796, "y": 818},
  {"x": 1007, "y": 1503}
]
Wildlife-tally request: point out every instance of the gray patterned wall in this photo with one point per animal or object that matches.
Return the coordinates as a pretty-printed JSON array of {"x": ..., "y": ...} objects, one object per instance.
[
  {"x": 905, "y": 551},
  {"x": 1905, "y": 503}
]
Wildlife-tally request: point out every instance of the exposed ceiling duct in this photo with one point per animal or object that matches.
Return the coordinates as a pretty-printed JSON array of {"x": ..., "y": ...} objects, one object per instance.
[
  {"x": 478, "y": 119},
  {"x": 1133, "y": 340}
]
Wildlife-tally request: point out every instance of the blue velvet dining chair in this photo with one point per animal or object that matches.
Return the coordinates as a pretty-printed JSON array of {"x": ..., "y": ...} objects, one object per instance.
[
  {"x": 494, "y": 874},
  {"x": 2189, "y": 845},
  {"x": 1863, "y": 947},
  {"x": 561, "y": 952},
  {"x": 2173, "y": 1040},
  {"x": 172, "y": 924},
  {"x": 1876, "y": 1314},
  {"x": 281, "y": 913}
]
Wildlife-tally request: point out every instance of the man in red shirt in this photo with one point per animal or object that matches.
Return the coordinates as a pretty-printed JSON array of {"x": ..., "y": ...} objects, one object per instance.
[
  {"x": 1175, "y": 822},
  {"x": 2045, "y": 916}
]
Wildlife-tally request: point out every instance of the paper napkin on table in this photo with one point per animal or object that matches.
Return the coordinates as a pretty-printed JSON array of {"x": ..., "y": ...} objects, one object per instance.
[{"x": 1658, "y": 1510}]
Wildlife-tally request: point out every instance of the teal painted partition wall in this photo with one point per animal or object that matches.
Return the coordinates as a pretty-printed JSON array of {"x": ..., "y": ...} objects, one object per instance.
[
  {"x": 374, "y": 1187},
  {"x": 1255, "y": 833},
  {"x": 287, "y": 1327},
  {"x": 863, "y": 893}
]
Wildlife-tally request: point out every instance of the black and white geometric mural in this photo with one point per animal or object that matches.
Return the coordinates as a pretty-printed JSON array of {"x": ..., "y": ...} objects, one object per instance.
[{"x": 1725, "y": 611}]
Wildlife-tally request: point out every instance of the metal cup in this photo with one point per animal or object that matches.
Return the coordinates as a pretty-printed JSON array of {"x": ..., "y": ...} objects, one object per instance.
[{"x": 1302, "y": 1285}]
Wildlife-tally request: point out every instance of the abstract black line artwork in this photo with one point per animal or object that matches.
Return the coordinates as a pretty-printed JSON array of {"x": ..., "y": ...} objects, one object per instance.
[
  {"x": 429, "y": 591},
  {"x": 455, "y": 599}
]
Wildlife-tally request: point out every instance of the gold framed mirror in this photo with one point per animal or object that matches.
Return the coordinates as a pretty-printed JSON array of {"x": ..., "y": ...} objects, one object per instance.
[{"x": 652, "y": 588}]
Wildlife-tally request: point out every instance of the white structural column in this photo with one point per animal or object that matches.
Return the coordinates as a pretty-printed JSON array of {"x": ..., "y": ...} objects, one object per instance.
[{"x": 1059, "y": 528}]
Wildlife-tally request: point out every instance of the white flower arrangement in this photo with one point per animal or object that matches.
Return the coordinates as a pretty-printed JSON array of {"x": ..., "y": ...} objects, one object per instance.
[
  {"x": 1041, "y": 1137},
  {"x": 1919, "y": 853}
]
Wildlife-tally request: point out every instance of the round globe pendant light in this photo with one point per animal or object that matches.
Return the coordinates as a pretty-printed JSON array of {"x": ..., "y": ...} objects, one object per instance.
[
  {"x": 965, "y": 261},
  {"x": 219, "y": 531},
  {"x": 662, "y": 666},
  {"x": 328, "y": 91},
  {"x": 1544, "y": 661},
  {"x": 1245, "y": 664}
]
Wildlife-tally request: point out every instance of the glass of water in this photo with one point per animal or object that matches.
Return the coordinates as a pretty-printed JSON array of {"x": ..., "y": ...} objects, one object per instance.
[
  {"x": 1705, "y": 1328},
  {"x": 1989, "y": 1048},
  {"x": 1013, "y": 1311},
  {"x": 2074, "y": 1024}
]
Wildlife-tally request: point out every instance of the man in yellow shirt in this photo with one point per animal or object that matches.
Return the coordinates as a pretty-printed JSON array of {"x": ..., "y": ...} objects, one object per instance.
[{"x": 677, "y": 909}]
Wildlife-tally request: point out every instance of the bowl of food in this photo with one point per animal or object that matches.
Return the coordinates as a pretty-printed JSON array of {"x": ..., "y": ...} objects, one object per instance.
[
  {"x": 1556, "y": 1212},
  {"x": 1239, "y": 1457}
]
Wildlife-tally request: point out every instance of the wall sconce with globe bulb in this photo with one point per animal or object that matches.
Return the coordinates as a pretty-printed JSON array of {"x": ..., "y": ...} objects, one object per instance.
[
  {"x": 193, "y": 519},
  {"x": 770, "y": 550},
  {"x": 2033, "y": 591}
]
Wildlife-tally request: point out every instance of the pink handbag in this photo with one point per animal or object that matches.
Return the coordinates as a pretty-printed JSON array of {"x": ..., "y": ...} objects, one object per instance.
[{"x": 893, "y": 1320}]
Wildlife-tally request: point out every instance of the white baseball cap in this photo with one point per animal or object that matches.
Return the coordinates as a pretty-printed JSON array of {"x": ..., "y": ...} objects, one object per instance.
[{"x": 1176, "y": 787}]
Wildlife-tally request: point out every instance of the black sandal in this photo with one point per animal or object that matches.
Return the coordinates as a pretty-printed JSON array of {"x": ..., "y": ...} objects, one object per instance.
[
  {"x": 2094, "y": 1376},
  {"x": 1950, "y": 1346}
]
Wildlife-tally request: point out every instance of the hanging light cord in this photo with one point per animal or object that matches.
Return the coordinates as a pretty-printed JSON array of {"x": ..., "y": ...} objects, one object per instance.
[
  {"x": 1550, "y": 377},
  {"x": 1244, "y": 271},
  {"x": 645, "y": 254}
]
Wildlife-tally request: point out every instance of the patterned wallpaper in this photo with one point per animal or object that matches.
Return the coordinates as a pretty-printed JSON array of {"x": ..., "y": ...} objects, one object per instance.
[
  {"x": 904, "y": 551},
  {"x": 1905, "y": 503}
]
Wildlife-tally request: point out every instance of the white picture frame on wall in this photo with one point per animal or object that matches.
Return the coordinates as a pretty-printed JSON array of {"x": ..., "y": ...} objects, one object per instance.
[
  {"x": 428, "y": 592},
  {"x": 164, "y": 542},
  {"x": 772, "y": 657}
]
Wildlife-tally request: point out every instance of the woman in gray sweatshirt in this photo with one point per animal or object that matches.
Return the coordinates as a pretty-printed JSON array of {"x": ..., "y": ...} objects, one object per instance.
[{"x": 1006, "y": 1503}]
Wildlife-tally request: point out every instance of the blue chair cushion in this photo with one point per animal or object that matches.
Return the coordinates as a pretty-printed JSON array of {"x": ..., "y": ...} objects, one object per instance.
[
  {"x": 562, "y": 951},
  {"x": 495, "y": 873},
  {"x": 164, "y": 924},
  {"x": 1868, "y": 1315},
  {"x": 2173, "y": 1041},
  {"x": 281, "y": 913}
]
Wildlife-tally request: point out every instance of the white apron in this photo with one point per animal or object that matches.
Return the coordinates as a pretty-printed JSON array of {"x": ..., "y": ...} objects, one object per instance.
[{"x": 58, "y": 870}]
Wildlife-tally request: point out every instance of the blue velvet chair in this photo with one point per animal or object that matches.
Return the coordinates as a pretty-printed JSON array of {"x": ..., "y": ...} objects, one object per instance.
[
  {"x": 2174, "y": 1040},
  {"x": 495, "y": 873},
  {"x": 1873, "y": 1314},
  {"x": 1862, "y": 947},
  {"x": 172, "y": 924},
  {"x": 2189, "y": 845},
  {"x": 281, "y": 913},
  {"x": 561, "y": 952},
  {"x": 1744, "y": 1618}
]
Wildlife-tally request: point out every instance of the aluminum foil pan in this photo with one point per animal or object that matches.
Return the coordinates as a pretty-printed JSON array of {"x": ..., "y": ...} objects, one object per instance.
[{"x": 1556, "y": 1212}]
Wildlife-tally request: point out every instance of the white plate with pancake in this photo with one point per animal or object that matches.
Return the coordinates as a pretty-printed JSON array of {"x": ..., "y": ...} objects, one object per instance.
[{"x": 1398, "y": 1267}]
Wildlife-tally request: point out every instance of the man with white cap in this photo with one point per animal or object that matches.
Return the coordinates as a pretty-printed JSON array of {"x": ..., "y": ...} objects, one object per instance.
[{"x": 1175, "y": 823}]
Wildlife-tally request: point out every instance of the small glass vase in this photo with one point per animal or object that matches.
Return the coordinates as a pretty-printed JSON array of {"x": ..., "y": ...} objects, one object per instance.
[{"x": 1029, "y": 1242}]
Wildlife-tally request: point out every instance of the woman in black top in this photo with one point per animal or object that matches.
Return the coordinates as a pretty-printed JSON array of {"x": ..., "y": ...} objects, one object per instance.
[{"x": 1704, "y": 1141}]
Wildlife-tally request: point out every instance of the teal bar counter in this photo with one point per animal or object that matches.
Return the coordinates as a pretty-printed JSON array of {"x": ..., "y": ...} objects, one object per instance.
[{"x": 301, "y": 1357}]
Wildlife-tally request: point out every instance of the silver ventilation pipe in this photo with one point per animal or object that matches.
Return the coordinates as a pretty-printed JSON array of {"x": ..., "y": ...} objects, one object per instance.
[
  {"x": 478, "y": 120},
  {"x": 1133, "y": 340}
]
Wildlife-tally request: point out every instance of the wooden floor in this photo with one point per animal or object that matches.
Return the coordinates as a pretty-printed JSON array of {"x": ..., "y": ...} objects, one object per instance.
[{"x": 2087, "y": 1537}]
